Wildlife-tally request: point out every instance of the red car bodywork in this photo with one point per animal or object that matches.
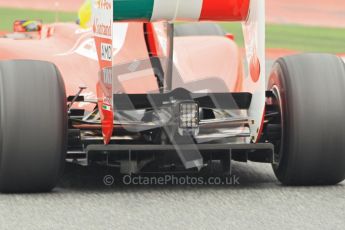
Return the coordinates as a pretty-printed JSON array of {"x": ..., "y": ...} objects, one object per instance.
[{"x": 73, "y": 51}]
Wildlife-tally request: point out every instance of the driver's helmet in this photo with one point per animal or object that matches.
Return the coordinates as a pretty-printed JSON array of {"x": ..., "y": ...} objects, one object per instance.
[
  {"x": 85, "y": 14},
  {"x": 32, "y": 25}
]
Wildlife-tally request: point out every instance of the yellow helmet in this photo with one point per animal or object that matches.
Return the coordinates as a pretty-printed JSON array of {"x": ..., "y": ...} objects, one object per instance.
[{"x": 85, "y": 14}]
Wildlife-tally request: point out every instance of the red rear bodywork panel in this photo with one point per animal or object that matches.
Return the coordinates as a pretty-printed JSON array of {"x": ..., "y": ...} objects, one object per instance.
[{"x": 74, "y": 52}]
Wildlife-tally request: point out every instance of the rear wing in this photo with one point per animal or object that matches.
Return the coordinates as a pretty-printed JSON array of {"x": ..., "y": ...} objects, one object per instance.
[
  {"x": 250, "y": 12},
  {"x": 181, "y": 10}
]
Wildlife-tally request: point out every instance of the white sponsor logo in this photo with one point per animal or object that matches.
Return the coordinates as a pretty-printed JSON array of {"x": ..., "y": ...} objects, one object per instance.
[
  {"x": 106, "y": 52},
  {"x": 103, "y": 18},
  {"x": 107, "y": 76},
  {"x": 104, "y": 4},
  {"x": 103, "y": 29}
]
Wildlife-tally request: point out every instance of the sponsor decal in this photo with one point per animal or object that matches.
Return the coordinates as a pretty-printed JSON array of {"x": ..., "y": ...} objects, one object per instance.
[
  {"x": 107, "y": 76},
  {"x": 103, "y": 18},
  {"x": 106, "y": 52},
  {"x": 104, "y": 4},
  {"x": 102, "y": 29},
  {"x": 106, "y": 107}
]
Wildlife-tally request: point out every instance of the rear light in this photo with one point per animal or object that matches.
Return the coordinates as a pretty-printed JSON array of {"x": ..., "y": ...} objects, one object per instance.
[{"x": 188, "y": 117}]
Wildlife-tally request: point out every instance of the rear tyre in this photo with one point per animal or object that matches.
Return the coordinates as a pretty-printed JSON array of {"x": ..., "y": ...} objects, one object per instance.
[
  {"x": 33, "y": 126},
  {"x": 310, "y": 90}
]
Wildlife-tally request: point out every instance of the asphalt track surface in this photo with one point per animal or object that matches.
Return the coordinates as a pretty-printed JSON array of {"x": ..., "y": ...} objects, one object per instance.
[
  {"x": 254, "y": 199},
  {"x": 82, "y": 201}
]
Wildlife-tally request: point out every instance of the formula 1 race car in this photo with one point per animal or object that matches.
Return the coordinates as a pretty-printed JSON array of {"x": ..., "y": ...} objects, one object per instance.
[{"x": 143, "y": 94}]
